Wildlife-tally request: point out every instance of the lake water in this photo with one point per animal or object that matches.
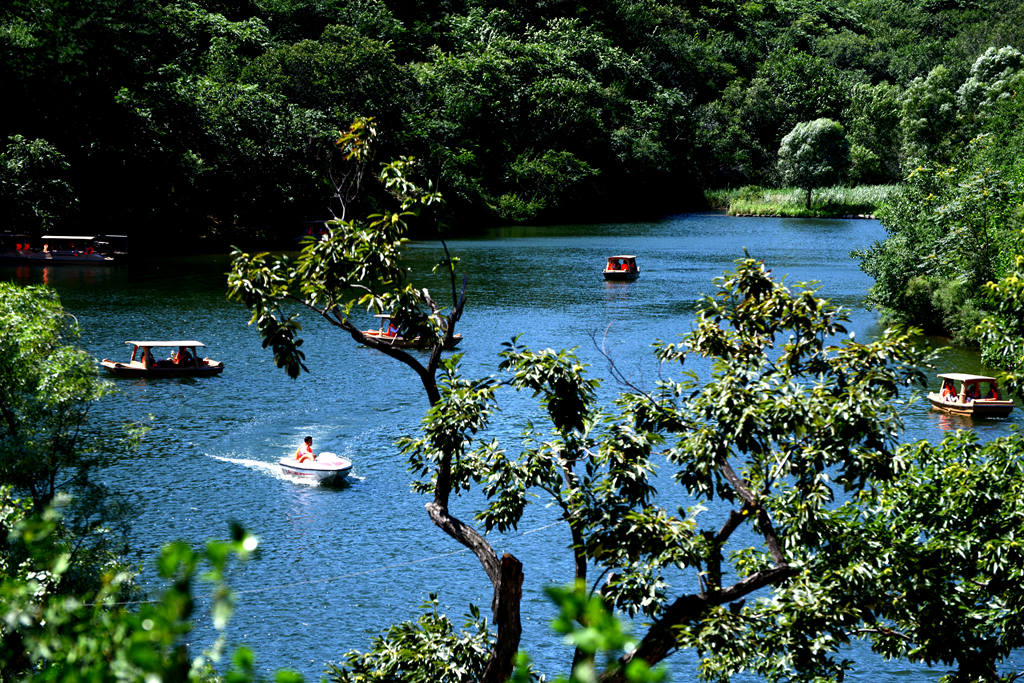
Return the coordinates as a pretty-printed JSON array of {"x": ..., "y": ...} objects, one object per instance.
[{"x": 337, "y": 566}]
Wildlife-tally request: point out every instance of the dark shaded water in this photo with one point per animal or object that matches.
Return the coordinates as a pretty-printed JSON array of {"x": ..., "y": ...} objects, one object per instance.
[{"x": 338, "y": 566}]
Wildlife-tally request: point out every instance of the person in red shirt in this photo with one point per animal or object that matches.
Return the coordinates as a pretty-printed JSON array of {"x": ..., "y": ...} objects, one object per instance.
[{"x": 305, "y": 451}]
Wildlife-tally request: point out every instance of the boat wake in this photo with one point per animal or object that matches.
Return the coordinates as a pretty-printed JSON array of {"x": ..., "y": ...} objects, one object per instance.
[{"x": 273, "y": 469}]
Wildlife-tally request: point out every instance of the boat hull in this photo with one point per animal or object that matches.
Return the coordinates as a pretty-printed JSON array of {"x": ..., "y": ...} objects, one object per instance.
[
  {"x": 981, "y": 408},
  {"x": 135, "y": 369},
  {"x": 326, "y": 469},
  {"x": 620, "y": 275},
  {"x": 52, "y": 258}
]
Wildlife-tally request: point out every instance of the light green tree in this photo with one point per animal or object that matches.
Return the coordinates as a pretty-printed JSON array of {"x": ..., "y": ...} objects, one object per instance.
[
  {"x": 994, "y": 76},
  {"x": 814, "y": 154}
]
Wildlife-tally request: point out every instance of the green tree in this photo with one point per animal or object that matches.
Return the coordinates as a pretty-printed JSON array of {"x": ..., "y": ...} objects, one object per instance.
[
  {"x": 995, "y": 76},
  {"x": 54, "y": 630},
  {"x": 814, "y": 154},
  {"x": 50, "y": 448},
  {"x": 1001, "y": 332},
  {"x": 35, "y": 193},
  {"x": 952, "y": 229},
  {"x": 358, "y": 265},
  {"x": 872, "y": 125},
  {"x": 768, "y": 443},
  {"x": 341, "y": 74},
  {"x": 47, "y": 390},
  {"x": 928, "y": 118},
  {"x": 932, "y": 557},
  {"x": 516, "y": 99},
  {"x": 788, "y": 88}
]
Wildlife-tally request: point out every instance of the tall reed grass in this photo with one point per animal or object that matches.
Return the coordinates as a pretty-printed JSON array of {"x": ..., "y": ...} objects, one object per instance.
[{"x": 826, "y": 202}]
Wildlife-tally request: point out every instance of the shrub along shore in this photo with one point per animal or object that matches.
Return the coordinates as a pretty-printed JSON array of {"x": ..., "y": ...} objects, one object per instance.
[{"x": 861, "y": 201}]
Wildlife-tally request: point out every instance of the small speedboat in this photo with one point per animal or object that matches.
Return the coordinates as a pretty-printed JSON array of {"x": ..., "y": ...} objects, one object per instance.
[{"x": 328, "y": 467}]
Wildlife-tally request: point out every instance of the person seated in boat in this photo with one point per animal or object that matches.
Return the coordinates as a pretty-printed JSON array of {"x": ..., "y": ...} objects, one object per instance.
[
  {"x": 948, "y": 392},
  {"x": 973, "y": 392},
  {"x": 147, "y": 358},
  {"x": 305, "y": 451},
  {"x": 392, "y": 329},
  {"x": 184, "y": 357},
  {"x": 993, "y": 393}
]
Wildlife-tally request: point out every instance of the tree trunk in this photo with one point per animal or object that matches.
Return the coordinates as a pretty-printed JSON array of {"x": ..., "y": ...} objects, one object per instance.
[
  {"x": 508, "y": 594},
  {"x": 660, "y": 640},
  {"x": 808, "y": 198}
]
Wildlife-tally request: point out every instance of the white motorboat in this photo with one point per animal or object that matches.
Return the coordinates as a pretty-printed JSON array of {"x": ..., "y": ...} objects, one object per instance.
[{"x": 328, "y": 467}]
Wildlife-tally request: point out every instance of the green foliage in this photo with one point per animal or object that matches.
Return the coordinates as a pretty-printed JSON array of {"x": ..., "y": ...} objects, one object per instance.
[
  {"x": 1001, "y": 332},
  {"x": 341, "y": 74},
  {"x": 935, "y": 555},
  {"x": 356, "y": 264},
  {"x": 872, "y": 128},
  {"x": 47, "y": 388},
  {"x": 588, "y": 625},
  {"x": 952, "y": 229},
  {"x": 54, "y": 630},
  {"x": 535, "y": 119},
  {"x": 213, "y": 118},
  {"x": 428, "y": 650},
  {"x": 928, "y": 117},
  {"x": 544, "y": 181},
  {"x": 34, "y": 190},
  {"x": 814, "y": 154},
  {"x": 927, "y": 571},
  {"x": 786, "y": 423},
  {"x": 995, "y": 76},
  {"x": 828, "y": 202}
]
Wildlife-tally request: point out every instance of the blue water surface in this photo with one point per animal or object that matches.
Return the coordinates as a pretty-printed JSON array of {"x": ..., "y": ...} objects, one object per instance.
[{"x": 337, "y": 566}]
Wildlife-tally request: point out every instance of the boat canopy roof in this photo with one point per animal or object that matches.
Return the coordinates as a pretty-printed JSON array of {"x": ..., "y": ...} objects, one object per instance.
[
  {"x": 964, "y": 377},
  {"x": 629, "y": 256},
  {"x": 191, "y": 343},
  {"x": 69, "y": 237}
]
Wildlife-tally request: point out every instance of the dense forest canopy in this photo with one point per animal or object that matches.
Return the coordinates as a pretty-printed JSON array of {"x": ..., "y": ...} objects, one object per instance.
[{"x": 216, "y": 119}]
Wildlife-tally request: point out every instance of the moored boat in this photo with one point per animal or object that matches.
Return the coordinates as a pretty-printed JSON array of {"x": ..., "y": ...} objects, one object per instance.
[
  {"x": 977, "y": 396},
  {"x": 389, "y": 333},
  {"x": 103, "y": 250},
  {"x": 184, "y": 362},
  {"x": 621, "y": 268},
  {"x": 327, "y": 467}
]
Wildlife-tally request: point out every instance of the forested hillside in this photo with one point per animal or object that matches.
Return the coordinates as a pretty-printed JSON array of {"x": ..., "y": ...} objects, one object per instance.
[{"x": 214, "y": 119}]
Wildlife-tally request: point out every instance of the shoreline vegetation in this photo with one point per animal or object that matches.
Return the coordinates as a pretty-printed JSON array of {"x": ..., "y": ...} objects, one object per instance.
[{"x": 862, "y": 201}]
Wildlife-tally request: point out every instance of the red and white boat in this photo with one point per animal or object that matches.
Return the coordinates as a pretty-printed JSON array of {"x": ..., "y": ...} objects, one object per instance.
[{"x": 622, "y": 268}]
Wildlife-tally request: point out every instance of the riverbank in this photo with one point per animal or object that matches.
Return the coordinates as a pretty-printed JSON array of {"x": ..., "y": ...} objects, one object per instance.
[{"x": 861, "y": 201}]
